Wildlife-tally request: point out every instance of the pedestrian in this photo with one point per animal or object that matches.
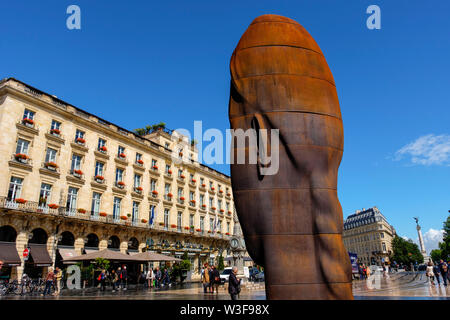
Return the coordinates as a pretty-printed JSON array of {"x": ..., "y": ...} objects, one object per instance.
[
  {"x": 211, "y": 279},
  {"x": 158, "y": 277},
  {"x": 49, "y": 281},
  {"x": 234, "y": 285},
  {"x": 149, "y": 277},
  {"x": 113, "y": 279},
  {"x": 205, "y": 279},
  {"x": 58, "y": 276},
  {"x": 368, "y": 272},
  {"x": 124, "y": 278},
  {"x": 216, "y": 280},
  {"x": 364, "y": 270},
  {"x": 437, "y": 272},
  {"x": 119, "y": 278},
  {"x": 360, "y": 271},
  {"x": 429, "y": 272},
  {"x": 102, "y": 280},
  {"x": 443, "y": 268}
]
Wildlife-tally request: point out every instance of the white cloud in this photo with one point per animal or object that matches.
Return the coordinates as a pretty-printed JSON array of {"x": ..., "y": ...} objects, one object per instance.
[
  {"x": 427, "y": 150},
  {"x": 431, "y": 239}
]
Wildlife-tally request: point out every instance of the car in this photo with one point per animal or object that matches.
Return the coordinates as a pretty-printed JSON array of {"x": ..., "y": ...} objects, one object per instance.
[
  {"x": 374, "y": 269},
  {"x": 225, "y": 275}
]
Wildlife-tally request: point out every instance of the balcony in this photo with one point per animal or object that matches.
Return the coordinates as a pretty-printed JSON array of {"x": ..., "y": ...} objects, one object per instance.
[
  {"x": 50, "y": 169},
  {"x": 79, "y": 144},
  {"x": 168, "y": 175},
  {"x": 99, "y": 182},
  {"x": 76, "y": 176},
  {"x": 192, "y": 203},
  {"x": 220, "y": 194},
  {"x": 139, "y": 165},
  {"x": 202, "y": 187},
  {"x": 122, "y": 159},
  {"x": 154, "y": 171},
  {"x": 181, "y": 179},
  {"x": 102, "y": 152},
  {"x": 27, "y": 126},
  {"x": 22, "y": 161},
  {"x": 55, "y": 135},
  {"x": 193, "y": 183}
]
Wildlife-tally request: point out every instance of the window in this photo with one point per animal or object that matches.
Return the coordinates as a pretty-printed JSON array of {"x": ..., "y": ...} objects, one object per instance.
[
  {"x": 168, "y": 169},
  {"x": 382, "y": 235},
  {"x": 152, "y": 185},
  {"x": 166, "y": 219},
  {"x": 116, "y": 208},
  {"x": 180, "y": 193},
  {"x": 79, "y": 134},
  {"x": 227, "y": 206},
  {"x": 50, "y": 155},
  {"x": 191, "y": 178},
  {"x": 120, "y": 150},
  {"x": 28, "y": 114},
  {"x": 166, "y": 189},
  {"x": 154, "y": 163},
  {"x": 137, "y": 180},
  {"x": 166, "y": 145},
  {"x": 179, "y": 220},
  {"x": 138, "y": 157},
  {"x": 119, "y": 175},
  {"x": 384, "y": 246},
  {"x": 22, "y": 146},
  {"x": 56, "y": 125},
  {"x": 76, "y": 162},
  {"x": 202, "y": 199},
  {"x": 135, "y": 213},
  {"x": 150, "y": 216},
  {"x": 44, "y": 194},
  {"x": 99, "y": 168},
  {"x": 211, "y": 202},
  {"x": 202, "y": 181},
  {"x": 72, "y": 199},
  {"x": 15, "y": 188},
  {"x": 202, "y": 223},
  {"x": 191, "y": 195},
  {"x": 101, "y": 143},
  {"x": 95, "y": 203},
  {"x": 228, "y": 227},
  {"x": 180, "y": 173},
  {"x": 191, "y": 222},
  {"x": 219, "y": 202},
  {"x": 219, "y": 225},
  {"x": 211, "y": 224},
  {"x": 211, "y": 185}
]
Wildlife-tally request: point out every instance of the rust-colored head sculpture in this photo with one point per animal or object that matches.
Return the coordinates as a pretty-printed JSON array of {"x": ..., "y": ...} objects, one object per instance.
[{"x": 292, "y": 220}]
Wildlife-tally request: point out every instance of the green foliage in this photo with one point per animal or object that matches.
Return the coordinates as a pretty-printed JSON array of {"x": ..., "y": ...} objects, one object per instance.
[
  {"x": 150, "y": 128},
  {"x": 101, "y": 264},
  {"x": 220, "y": 264},
  {"x": 186, "y": 263},
  {"x": 194, "y": 142},
  {"x": 140, "y": 131},
  {"x": 86, "y": 272},
  {"x": 405, "y": 252},
  {"x": 436, "y": 255},
  {"x": 444, "y": 246}
]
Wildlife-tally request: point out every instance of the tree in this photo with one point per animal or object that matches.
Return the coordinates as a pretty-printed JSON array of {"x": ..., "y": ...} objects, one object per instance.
[
  {"x": 405, "y": 252},
  {"x": 220, "y": 264},
  {"x": 436, "y": 255},
  {"x": 101, "y": 264},
  {"x": 445, "y": 244},
  {"x": 140, "y": 131}
]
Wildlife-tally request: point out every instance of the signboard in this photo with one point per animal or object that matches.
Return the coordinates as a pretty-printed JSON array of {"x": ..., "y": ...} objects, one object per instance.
[
  {"x": 354, "y": 262},
  {"x": 26, "y": 253}
]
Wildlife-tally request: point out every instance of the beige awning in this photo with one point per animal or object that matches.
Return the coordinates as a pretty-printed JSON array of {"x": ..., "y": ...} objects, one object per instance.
[
  {"x": 105, "y": 254},
  {"x": 152, "y": 256},
  {"x": 67, "y": 254}
]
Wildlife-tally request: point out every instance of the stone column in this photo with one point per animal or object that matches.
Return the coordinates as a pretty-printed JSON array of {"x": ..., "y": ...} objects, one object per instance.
[
  {"x": 79, "y": 245},
  {"x": 103, "y": 244},
  {"x": 21, "y": 244}
]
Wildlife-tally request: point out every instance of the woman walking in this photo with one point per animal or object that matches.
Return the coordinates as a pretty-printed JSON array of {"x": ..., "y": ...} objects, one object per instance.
[{"x": 430, "y": 273}]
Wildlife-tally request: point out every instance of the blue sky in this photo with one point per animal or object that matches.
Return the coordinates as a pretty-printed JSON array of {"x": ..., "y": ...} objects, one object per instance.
[{"x": 142, "y": 62}]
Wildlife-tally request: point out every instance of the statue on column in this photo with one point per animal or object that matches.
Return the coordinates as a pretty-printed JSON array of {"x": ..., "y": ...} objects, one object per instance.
[
  {"x": 292, "y": 220},
  {"x": 423, "y": 251}
]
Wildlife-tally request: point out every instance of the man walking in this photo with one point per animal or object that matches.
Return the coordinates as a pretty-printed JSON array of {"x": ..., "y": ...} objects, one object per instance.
[
  {"x": 234, "y": 285},
  {"x": 443, "y": 268},
  {"x": 58, "y": 277},
  {"x": 49, "y": 281},
  {"x": 124, "y": 278},
  {"x": 215, "y": 279},
  {"x": 437, "y": 272},
  {"x": 158, "y": 277},
  {"x": 205, "y": 279}
]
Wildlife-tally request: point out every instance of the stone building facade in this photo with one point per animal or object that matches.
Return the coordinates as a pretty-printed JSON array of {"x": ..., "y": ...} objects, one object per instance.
[
  {"x": 368, "y": 234},
  {"x": 73, "y": 182}
]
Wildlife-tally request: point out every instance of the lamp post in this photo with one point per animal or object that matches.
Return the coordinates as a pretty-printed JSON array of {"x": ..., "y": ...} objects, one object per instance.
[{"x": 55, "y": 244}]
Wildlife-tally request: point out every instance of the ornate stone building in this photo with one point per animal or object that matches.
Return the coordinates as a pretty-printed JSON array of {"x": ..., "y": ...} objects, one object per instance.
[
  {"x": 72, "y": 182},
  {"x": 368, "y": 234}
]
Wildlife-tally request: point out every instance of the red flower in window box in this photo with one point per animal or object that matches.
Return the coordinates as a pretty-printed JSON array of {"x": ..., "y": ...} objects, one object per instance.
[
  {"x": 51, "y": 164},
  {"x": 144, "y": 221},
  {"x": 228, "y": 194},
  {"x": 227, "y": 233},
  {"x": 203, "y": 205},
  {"x": 21, "y": 156},
  {"x": 53, "y": 206},
  {"x": 154, "y": 192},
  {"x": 203, "y": 185},
  {"x": 182, "y": 176},
  {"x": 20, "y": 200},
  {"x": 122, "y": 155},
  {"x": 123, "y": 217},
  {"x": 55, "y": 131},
  {"x": 139, "y": 188},
  {"x": 27, "y": 120},
  {"x": 169, "y": 171},
  {"x": 209, "y": 231},
  {"x": 78, "y": 172},
  {"x": 213, "y": 208},
  {"x": 180, "y": 154},
  {"x": 140, "y": 161},
  {"x": 98, "y": 177},
  {"x": 186, "y": 228},
  {"x": 103, "y": 148},
  {"x": 193, "y": 181},
  {"x": 221, "y": 191},
  {"x": 170, "y": 195},
  {"x": 198, "y": 230},
  {"x": 121, "y": 183},
  {"x": 161, "y": 223},
  {"x": 193, "y": 201},
  {"x": 221, "y": 210},
  {"x": 173, "y": 226},
  {"x": 81, "y": 211},
  {"x": 229, "y": 212},
  {"x": 155, "y": 167},
  {"x": 102, "y": 214},
  {"x": 80, "y": 140},
  {"x": 182, "y": 198},
  {"x": 212, "y": 188}
]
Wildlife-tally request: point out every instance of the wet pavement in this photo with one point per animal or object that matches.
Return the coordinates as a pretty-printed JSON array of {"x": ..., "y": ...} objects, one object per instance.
[{"x": 404, "y": 286}]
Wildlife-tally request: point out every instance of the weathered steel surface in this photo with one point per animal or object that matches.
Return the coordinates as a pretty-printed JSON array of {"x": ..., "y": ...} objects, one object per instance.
[{"x": 292, "y": 221}]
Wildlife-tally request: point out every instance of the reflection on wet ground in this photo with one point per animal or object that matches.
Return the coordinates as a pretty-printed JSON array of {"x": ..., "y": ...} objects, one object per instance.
[{"x": 398, "y": 286}]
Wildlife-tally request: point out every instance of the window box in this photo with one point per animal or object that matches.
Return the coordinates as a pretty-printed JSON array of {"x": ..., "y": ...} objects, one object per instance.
[
  {"x": 221, "y": 210},
  {"x": 120, "y": 184},
  {"x": 99, "y": 179},
  {"x": 180, "y": 154},
  {"x": 53, "y": 206},
  {"x": 169, "y": 195},
  {"x": 123, "y": 217},
  {"x": 155, "y": 168},
  {"x": 81, "y": 211},
  {"x": 144, "y": 221},
  {"x": 229, "y": 212},
  {"x": 28, "y": 122},
  {"x": 182, "y": 176},
  {"x": 169, "y": 172},
  {"x": 227, "y": 233},
  {"x": 55, "y": 132},
  {"x": 103, "y": 149},
  {"x": 186, "y": 228},
  {"x": 77, "y": 173},
  {"x": 228, "y": 194},
  {"x": 220, "y": 191},
  {"x": 213, "y": 208},
  {"x": 212, "y": 188},
  {"x": 122, "y": 156},
  {"x": 20, "y": 200},
  {"x": 102, "y": 214},
  {"x": 80, "y": 141},
  {"x": 182, "y": 198},
  {"x": 21, "y": 157},
  {"x": 173, "y": 226},
  {"x": 203, "y": 206},
  {"x": 51, "y": 166},
  {"x": 138, "y": 189},
  {"x": 209, "y": 231},
  {"x": 198, "y": 230},
  {"x": 140, "y": 162},
  {"x": 192, "y": 201},
  {"x": 193, "y": 181}
]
